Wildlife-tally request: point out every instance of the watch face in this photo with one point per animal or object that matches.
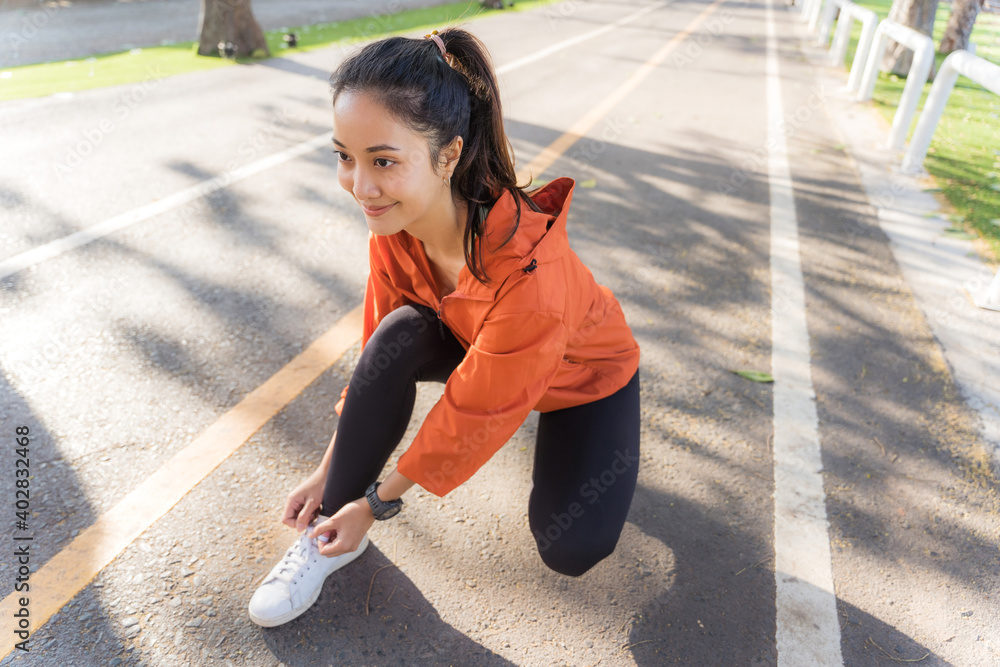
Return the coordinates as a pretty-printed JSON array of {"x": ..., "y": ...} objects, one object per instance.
[
  {"x": 391, "y": 511},
  {"x": 380, "y": 509}
]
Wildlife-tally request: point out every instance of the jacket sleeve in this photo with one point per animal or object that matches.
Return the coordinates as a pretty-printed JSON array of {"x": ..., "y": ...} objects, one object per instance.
[
  {"x": 504, "y": 374},
  {"x": 381, "y": 298}
]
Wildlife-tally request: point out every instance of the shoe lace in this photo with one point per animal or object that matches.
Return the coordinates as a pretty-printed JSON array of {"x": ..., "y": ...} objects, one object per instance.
[{"x": 298, "y": 558}]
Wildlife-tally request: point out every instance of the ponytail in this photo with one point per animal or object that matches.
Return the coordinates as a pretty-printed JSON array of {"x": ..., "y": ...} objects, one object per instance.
[{"x": 443, "y": 96}]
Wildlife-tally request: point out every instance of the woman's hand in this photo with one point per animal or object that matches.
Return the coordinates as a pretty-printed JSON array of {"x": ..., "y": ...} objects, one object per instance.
[
  {"x": 345, "y": 529},
  {"x": 302, "y": 504}
]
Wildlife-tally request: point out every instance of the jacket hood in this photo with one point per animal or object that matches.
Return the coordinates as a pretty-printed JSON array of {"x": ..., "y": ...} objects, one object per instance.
[{"x": 540, "y": 237}]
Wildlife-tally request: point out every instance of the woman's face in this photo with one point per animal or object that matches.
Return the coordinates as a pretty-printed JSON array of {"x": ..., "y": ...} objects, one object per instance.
[{"x": 387, "y": 167}]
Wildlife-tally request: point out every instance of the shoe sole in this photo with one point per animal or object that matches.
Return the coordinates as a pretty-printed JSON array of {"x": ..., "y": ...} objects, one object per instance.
[{"x": 295, "y": 613}]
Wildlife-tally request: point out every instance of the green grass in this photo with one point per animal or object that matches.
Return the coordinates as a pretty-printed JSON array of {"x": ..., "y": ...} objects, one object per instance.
[
  {"x": 964, "y": 156},
  {"x": 155, "y": 62}
]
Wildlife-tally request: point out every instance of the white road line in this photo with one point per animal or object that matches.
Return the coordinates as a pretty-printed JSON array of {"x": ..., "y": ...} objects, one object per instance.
[
  {"x": 807, "y": 630},
  {"x": 566, "y": 43},
  {"x": 75, "y": 240},
  {"x": 111, "y": 225}
]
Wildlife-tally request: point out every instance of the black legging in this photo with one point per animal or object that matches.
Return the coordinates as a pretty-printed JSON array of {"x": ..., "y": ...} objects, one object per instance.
[{"x": 586, "y": 457}]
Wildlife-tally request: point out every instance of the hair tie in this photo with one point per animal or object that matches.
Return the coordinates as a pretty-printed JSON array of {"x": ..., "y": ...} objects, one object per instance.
[{"x": 448, "y": 58}]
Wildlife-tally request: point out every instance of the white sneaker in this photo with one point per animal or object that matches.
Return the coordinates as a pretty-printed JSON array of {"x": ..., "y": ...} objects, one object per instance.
[{"x": 294, "y": 584}]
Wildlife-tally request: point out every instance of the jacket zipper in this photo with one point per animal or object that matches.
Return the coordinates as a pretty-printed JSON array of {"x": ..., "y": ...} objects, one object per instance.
[{"x": 440, "y": 308}]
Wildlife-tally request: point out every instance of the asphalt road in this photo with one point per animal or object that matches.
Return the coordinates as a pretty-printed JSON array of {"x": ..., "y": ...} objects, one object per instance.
[
  {"x": 36, "y": 31},
  {"x": 117, "y": 354}
]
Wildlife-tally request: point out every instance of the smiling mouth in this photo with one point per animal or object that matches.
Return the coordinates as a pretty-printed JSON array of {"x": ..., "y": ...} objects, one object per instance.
[{"x": 376, "y": 211}]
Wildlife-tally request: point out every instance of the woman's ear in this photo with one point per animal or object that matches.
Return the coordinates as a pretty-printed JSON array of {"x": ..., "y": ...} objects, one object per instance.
[{"x": 450, "y": 155}]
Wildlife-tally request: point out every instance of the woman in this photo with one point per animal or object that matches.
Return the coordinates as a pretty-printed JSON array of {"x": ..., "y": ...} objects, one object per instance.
[{"x": 473, "y": 284}]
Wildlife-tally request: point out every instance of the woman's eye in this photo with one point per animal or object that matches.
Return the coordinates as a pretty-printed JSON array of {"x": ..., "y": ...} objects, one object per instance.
[
  {"x": 341, "y": 156},
  {"x": 383, "y": 162}
]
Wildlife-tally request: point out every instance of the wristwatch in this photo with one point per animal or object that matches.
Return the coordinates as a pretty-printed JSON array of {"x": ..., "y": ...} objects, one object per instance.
[{"x": 382, "y": 509}]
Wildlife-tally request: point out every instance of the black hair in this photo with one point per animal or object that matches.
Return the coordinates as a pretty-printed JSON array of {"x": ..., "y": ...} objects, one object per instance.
[{"x": 443, "y": 97}]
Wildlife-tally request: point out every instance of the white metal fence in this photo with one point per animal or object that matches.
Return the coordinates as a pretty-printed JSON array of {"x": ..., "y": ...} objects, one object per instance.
[
  {"x": 821, "y": 15},
  {"x": 838, "y": 51},
  {"x": 923, "y": 58}
]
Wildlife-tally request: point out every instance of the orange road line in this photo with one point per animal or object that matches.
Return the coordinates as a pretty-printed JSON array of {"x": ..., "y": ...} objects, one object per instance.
[
  {"x": 69, "y": 571},
  {"x": 75, "y": 566},
  {"x": 579, "y": 129}
]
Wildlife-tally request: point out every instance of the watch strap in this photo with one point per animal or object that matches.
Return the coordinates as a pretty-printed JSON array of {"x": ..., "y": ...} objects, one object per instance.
[{"x": 382, "y": 509}]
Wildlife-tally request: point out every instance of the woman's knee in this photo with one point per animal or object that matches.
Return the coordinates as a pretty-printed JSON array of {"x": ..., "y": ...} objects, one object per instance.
[
  {"x": 403, "y": 326},
  {"x": 403, "y": 333},
  {"x": 408, "y": 344},
  {"x": 573, "y": 541},
  {"x": 573, "y": 557}
]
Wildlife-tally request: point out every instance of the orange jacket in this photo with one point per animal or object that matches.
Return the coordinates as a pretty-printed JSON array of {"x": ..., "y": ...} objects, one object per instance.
[{"x": 541, "y": 335}]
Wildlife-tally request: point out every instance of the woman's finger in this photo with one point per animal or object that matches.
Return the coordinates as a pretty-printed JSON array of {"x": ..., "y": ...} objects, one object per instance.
[
  {"x": 337, "y": 546},
  {"x": 292, "y": 509},
  {"x": 306, "y": 515},
  {"x": 326, "y": 526}
]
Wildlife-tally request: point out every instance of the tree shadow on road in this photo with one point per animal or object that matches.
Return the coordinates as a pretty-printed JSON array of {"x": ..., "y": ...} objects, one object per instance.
[
  {"x": 682, "y": 237},
  {"x": 294, "y": 67},
  {"x": 723, "y": 584},
  {"x": 371, "y": 613}
]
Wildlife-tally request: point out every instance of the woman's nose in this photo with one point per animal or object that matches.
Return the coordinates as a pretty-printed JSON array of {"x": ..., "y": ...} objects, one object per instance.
[{"x": 365, "y": 188}]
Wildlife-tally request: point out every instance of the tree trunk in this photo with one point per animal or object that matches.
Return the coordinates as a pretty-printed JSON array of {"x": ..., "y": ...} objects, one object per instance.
[
  {"x": 963, "y": 17},
  {"x": 230, "y": 21},
  {"x": 916, "y": 14}
]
